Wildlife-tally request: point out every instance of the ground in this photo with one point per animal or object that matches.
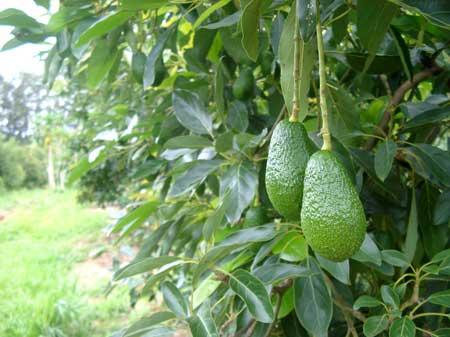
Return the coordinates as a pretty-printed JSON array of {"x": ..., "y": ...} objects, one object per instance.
[{"x": 55, "y": 267}]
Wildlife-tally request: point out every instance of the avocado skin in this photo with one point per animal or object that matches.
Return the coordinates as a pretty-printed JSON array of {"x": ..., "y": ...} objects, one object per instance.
[
  {"x": 289, "y": 151},
  {"x": 333, "y": 219}
]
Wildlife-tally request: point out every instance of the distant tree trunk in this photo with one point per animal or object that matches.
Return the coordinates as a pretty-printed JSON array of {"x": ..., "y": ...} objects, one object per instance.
[{"x": 50, "y": 167}]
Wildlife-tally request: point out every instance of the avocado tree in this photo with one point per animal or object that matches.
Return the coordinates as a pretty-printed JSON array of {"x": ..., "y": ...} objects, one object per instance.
[{"x": 184, "y": 97}]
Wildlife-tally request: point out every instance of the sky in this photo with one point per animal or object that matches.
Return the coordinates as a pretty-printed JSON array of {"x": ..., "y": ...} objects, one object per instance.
[{"x": 24, "y": 58}]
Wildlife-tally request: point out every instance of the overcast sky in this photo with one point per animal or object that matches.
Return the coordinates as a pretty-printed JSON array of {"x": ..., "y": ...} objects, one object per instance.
[{"x": 23, "y": 58}]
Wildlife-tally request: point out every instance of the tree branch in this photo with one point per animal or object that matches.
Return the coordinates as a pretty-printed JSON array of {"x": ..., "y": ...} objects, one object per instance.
[{"x": 397, "y": 98}]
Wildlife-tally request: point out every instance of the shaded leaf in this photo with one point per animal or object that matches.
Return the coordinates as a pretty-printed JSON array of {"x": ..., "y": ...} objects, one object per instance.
[
  {"x": 174, "y": 299},
  {"x": 368, "y": 252},
  {"x": 366, "y": 301},
  {"x": 339, "y": 270},
  {"x": 251, "y": 11},
  {"x": 306, "y": 14},
  {"x": 395, "y": 258},
  {"x": 151, "y": 64},
  {"x": 208, "y": 11},
  {"x": 375, "y": 325},
  {"x": 191, "y": 112},
  {"x": 441, "y": 298},
  {"x": 389, "y": 296},
  {"x": 412, "y": 234},
  {"x": 384, "y": 157},
  {"x": 202, "y": 324},
  {"x": 429, "y": 116},
  {"x": 403, "y": 327}
]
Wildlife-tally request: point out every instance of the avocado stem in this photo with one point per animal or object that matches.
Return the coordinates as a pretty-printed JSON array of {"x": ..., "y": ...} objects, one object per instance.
[
  {"x": 325, "y": 131},
  {"x": 296, "y": 96}
]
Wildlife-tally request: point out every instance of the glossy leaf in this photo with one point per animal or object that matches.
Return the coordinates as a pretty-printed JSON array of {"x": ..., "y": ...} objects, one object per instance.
[
  {"x": 313, "y": 303},
  {"x": 375, "y": 325},
  {"x": 306, "y": 14},
  {"x": 275, "y": 272},
  {"x": 252, "y": 291},
  {"x": 145, "y": 265},
  {"x": 174, "y": 300},
  {"x": 384, "y": 158},
  {"x": 395, "y": 258},
  {"x": 430, "y": 116},
  {"x": 250, "y": 27},
  {"x": 366, "y": 301},
  {"x": 191, "y": 112},
  {"x": 151, "y": 65},
  {"x": 292, "y": 247},
  {"x": 403, "y": 327},
  {"x": 389, "y": 296},
  {"x": 368, "y": 252},
  {"x": 339, "y": 270}
]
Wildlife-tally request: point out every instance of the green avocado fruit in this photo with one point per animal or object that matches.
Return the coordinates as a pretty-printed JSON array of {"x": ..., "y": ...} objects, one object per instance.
[
  {"x": 333, "y": 219},
  {"x": 243, "y": 87},
  {"x": 255, "y": 216},
  {"x": 289, "y": 151}
]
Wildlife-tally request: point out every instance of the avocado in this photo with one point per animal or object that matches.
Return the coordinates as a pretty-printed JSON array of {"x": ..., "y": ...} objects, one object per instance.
[
  {"x": 266, "y": 61},
  {"x": 333, "y": 219},
  {"x": 244, "y": 86},
  {"x": 255, "y": 216},
  {"x": 289, "y": 151}
]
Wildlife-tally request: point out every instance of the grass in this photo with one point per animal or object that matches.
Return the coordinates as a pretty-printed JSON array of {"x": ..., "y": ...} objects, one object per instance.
[{"x": 39, "y": 245}]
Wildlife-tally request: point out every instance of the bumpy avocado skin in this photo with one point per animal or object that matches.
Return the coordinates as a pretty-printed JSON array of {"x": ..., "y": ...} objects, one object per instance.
[
  {"x": 333, "y": 219},
  {"x": 289, "y": 151}
]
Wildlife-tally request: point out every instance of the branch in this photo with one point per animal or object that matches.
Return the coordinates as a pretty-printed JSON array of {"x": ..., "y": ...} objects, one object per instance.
[
  {"x": 277, "y": 311},
  {"x": 397, "y": 98}
]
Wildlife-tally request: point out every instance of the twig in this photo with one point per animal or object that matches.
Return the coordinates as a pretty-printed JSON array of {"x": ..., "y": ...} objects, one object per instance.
[
  {"x": 385, "y": 82},
  {"x": 277, "y": 311},
  {"x": 414, "y": 296},
  {"x": 397, "y": 98},
  {"x": 296, "y": 95}
]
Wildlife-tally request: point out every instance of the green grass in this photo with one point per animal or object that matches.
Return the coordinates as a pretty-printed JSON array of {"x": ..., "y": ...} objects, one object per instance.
[{"x": 41, "y": 238}]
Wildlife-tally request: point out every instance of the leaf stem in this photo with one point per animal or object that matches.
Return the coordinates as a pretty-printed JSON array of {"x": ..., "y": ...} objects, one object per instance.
[
  {"x": 323, "y": 83},
  {"x": 425, "y": 314},
  {"x": 296, "y": 96},
  {"x": 277, "y": 311}
]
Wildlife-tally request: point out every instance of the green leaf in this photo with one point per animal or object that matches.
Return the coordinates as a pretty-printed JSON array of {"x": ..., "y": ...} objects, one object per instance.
[
  {"x": 191, "y": 112},
  {"x": 136, "y": 217},
  {"x": 146, "y": 324},
  {"x": 145, "y": 265},
  {"x": 372, "y": 28},
  {"x": 43, "y": 3},
  {"x": 151, "y": 65},
  {"x": 237, "y": 190},
  {"x": 100, "y": 63},
  {"x": 250, "y": 235},
  {"x": 403, "y": 52},
  {"x": 429, "y": 162},
  {"x": 292, "y": 247},
  {"x": 381, "y": 64},
  {"x": 441, "y": 298},
  {"x": 389, "y": 296},
  {"x": 375, "y": 325},
  {"x": 194, "y": 175},
  {"x": 208, "y": 11},
  {"x": 66, "y": 16},
  {"x": 187, "y": 142},
  {"x": 156, "y": 332},
  {"x": 103, "y": 26},
  {"x": 445, "y": 254},
  {"x": 395, "y": 258},
  {"x": 219, "y": 87},
  {"x": 427, "y": 117},
  {"x": 306, "y": 14},
  {"x": 274, "y": 272},
  {"x": 368, "y": 252},
  {"x": 313, "y": 303},
  {"x": 307, "y": 60},
  {"x": 339, "y": 270},
  {"x": 412, "y": 234},
  {"x": 227, "y": 21},
  {"x": 135, "y": 5},
  {"x": 252, "y": 291},
  {"x": 17, "y": 18},
  {"x": 249, "y": 23},
  {"x": 366, "y": 301},
  {"x": 384, "y": 157},
  {"x": 174, "y": 299},
  {"x": 84, "y": 166},
  {"x": 403, "y": 327},
  {"x": 202, "y": 324},
  {"x": 237, "y": 117},
  {"x": 138, "y": 66},
  {"x": 437, "y": 11}
]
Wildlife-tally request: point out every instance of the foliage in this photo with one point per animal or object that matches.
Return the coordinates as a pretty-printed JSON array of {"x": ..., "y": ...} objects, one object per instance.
[{"x": 158, "y": 80}]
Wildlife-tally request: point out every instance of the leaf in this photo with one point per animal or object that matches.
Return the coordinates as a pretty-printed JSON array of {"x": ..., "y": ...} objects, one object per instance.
[
  {"x": 249, "y": 23},
  {"x": 313, "y": 303},
  {"x": 441, "y": 298},
  {"x": 403, "y": 327},
  {"x": 366, "y": 301},
  {"x": 442, "y": 211},
  {"x": 441, "y": 256},
  {"x": 372, "y": 28},
  {"x": 429, "y": 162},
  {"x": 84, "y": 166},
  {"x": 155, "y": 55},
  {"x": 187, "y": 142},
  {"x": 174, "y": 300},
  {"x": 306, "y": 14},
  {"x": 274, "y": 272},
  {"x": 403, "y": 52},
  {"x": 147, "y": 324},
  {"x": 395, "y": 258},
  {"x": 103, "y": 26},
  {"x": 202, "y": 324},
  {"x": 368, "y": 252},
  {"x": 339, "y": 270},
  {"x": 100, "y": 63},
  {"x": 389, "y": 296},
  {"x": 136, "y": 217},
  {"x": 375, "y": 325},
  {"x": 134, "y": 5},
  {"x": 384, "y": 157},
  {"x": 443, "y": 332},
  {"x": 254, "y": 294},
  {"x": 307, "y": 60},
  {"x": 292, "y": 247},
  {"x": 436, "y": 11},
  {"x": 250, "y": 235},
  {"x": 412, "y": 234},
  {"x": 156, "y": 332},
  {"x": 145, "y": 265},
  {"x": 191, "y": 112},
  {"x": 227, "y": 21},
  {"x": 219, "y": 87},
  {"x": 381, "y": 64},
  {"x": 238, "y": 188},
  {"x": 237, "y": 117},
  {"x": 208, "y": 11},
  {"x": 17, "y": 18},
  {"x": 427, "y": 117},
  {"x": 66, "y": 16}
]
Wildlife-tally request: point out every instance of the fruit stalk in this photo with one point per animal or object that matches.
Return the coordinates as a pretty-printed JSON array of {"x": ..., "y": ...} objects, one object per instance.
[
  {"x": 325, "y": 131},
  {"x": 296, "y": 97}
]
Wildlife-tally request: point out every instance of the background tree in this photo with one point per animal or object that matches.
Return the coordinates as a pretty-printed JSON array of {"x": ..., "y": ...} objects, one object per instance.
[{"x": 183, "y": 97}]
